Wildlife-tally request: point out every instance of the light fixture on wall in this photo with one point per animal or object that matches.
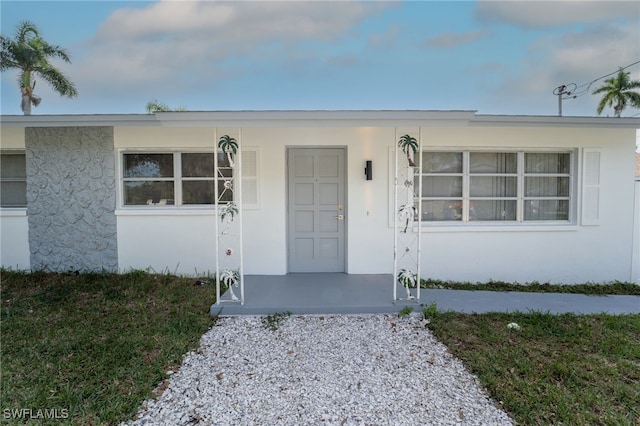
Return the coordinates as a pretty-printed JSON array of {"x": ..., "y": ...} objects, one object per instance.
[{"x": 368, "y": 170}]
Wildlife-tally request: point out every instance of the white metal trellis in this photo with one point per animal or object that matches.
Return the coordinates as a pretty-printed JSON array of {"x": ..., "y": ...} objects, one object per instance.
[
  {"x": 407, "y": 245},
  {"x": 228, "y": 225}
]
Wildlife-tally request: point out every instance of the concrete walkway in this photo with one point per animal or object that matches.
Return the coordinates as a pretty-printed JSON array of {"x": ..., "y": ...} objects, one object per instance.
[{"x": 369, "y": 294}]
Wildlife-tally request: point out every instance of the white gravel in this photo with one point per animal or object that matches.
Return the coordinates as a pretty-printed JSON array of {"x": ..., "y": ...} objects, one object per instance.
[{"x": 322, "y": 370}]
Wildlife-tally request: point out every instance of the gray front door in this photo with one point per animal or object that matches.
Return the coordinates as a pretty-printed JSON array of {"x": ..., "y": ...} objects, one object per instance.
[{"x": 316, "y": 209}]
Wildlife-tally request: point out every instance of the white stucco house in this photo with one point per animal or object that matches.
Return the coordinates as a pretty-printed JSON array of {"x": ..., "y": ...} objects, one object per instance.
[{"x": 513, "y": 198}]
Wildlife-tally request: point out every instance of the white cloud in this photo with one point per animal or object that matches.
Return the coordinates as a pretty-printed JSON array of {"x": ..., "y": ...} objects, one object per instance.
[
  {"x": 181, "y": 44},
  {"x": 544, "y": 13},
  {"x": 576, "y": 57},
  {"x": 236, "y": 21}
]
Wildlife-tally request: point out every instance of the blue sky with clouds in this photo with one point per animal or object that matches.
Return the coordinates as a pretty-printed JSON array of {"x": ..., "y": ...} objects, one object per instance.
[{"x": 496, "y": 57}]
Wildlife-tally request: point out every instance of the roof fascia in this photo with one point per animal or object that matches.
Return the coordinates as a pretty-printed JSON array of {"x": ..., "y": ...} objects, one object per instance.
[
  {"x": 72, "y": 120},
  {"x": 481, "y": 120},
  {"x": 322, "y": 118}
]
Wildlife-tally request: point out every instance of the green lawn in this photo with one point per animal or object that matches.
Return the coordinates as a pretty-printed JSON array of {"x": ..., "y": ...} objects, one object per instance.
[
  {"x": 94, "y": 346},
  {"x": 557, "y": 369},
  {"x": 536, "y": 287}
]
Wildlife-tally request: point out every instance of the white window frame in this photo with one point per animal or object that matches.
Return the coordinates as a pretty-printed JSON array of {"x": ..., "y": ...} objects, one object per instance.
[
  {"x": 253, "y": 203},
  {"x": 519, "y": 222},
  {"x": 15, "y": 179},
  {"x": 177, "y": 178}
]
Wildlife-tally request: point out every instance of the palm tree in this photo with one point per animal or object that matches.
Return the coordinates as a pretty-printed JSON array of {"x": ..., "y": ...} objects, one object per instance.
[
  {"x": 228, "y": 145},
  {"x": 619, "y": 90},
  {"x": 30, "y": 54},
  {"x": 155, "y": 105},
  {"x": 408, "y": 143}
]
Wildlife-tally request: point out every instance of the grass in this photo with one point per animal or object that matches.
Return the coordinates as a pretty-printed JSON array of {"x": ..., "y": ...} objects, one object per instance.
[
  {"x": 405, "y": 311},
  {"x": 555, "y": 369},
  {"x": 616, "y": 287},
  {"x": 94, "y": 346},
  {"x": 272, "y": 322}
]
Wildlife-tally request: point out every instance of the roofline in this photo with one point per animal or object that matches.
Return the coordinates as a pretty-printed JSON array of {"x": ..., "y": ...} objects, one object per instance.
[
  {"x": 310, "y": 118},
  {"x": 561, "y": 121},
  {"x": 71, "y": 120}
]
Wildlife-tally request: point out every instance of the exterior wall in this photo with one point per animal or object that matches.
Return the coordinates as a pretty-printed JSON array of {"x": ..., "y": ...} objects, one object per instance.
[
  {"x": 265, "y": 248},
  {"x": 12, "y": 137},
  {"x": 558, "y": 254},
  {"x": 73, "y": 190},
  {"x": 167, "y": 243},
  {"x": 165, "y": 240},
  {"x": 369, "y": 238},
  {"x": 14, "y": 239},
  {"x": 182, "y": 241},
  {"x": 71, "y": 198},
  {"x": 14, "y": 230}
]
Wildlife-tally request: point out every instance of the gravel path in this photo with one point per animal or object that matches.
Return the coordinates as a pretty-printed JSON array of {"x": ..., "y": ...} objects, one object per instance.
[{"x": 315, "y": 370}]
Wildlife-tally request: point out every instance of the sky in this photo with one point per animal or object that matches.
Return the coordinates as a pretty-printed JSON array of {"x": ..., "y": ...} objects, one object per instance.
[{"x": 493, "y": 57}]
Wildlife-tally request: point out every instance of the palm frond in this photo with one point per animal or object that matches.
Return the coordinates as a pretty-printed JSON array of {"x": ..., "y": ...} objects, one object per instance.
[
  {"x": 618, "y": 92},
  {"x": 24, "y": 29},
  {"x": 55, "y": 52},
  {"x": 57, "y": 80}
]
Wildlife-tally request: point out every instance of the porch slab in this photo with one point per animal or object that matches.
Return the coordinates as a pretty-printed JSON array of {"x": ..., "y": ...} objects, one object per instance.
[{"x": 315, "y": 294}]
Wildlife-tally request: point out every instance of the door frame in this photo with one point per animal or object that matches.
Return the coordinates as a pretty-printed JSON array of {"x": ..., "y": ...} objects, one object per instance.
[{"x": 345, "y": 151}]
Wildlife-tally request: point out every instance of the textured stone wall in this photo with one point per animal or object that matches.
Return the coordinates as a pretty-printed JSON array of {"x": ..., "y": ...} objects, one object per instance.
[{"x": 71, "y": 196}]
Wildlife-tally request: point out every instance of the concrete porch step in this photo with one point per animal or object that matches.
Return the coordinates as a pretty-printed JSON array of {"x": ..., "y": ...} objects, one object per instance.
[{"x": 317, "y": 294}]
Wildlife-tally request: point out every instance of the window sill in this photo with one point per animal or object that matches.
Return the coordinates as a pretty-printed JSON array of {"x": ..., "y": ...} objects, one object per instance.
[
  {"x": 533, "y": 227},
  {"x": 13, "y": 211},
  {"x": 166, "y": 211}
]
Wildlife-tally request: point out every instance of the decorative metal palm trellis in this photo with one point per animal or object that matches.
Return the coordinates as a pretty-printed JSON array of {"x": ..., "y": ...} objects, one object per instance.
[
  {"x": 228, "y": 224},
  {"x": 407, "y": 210}
]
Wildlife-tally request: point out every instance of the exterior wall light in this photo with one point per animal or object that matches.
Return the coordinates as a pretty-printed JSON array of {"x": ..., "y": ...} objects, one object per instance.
[{"x": 368, "y": 170}]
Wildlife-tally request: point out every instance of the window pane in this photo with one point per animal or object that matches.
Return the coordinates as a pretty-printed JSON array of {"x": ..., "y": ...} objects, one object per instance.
[
  {"x": 13, "y": 194},
  {"x": 198, "y": 192},
  {"x": 441, "y": 186},
  {"x": 441, "y": 162},
  {"x": 557, "y": 163},
  {"x": 138, "y": 193},
  {"x": 546, "y": 210},
  {"x": 493, "y": 186},
  {"x": 493, "y": 162},
  {"x": 492, "y": 210},
  {"x": 546, "y": 187},
  {"x": 442, "y": 210},
  {"x": 148, "y": 165},
  {"x": 13, "y": 166},
  {"x": 197, "y": 165}
]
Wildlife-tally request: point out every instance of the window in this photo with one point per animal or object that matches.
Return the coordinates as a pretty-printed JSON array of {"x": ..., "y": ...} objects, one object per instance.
[
  {"x": 479, "y": 186},
  {"x": 13, "y": 179},
  {"x": 182, "y": 179}
]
